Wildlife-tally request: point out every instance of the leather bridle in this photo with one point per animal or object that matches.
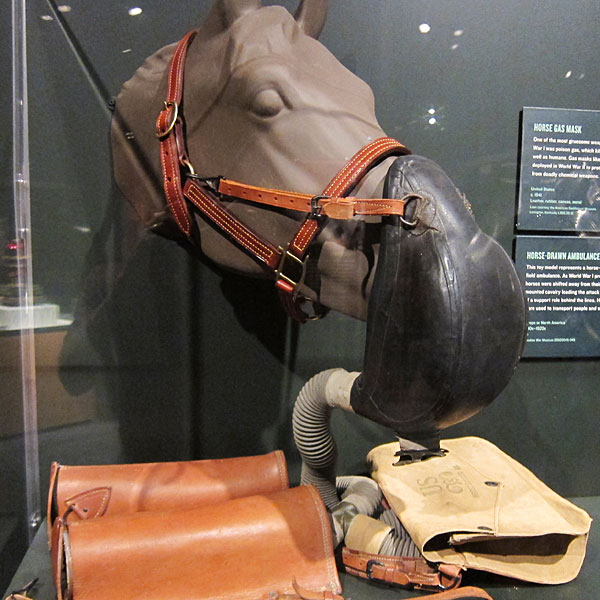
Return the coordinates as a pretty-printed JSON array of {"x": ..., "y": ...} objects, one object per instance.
[{"x": 182, "y": 186}]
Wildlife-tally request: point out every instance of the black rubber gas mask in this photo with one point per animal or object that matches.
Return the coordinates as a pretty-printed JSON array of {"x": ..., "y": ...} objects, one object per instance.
[{"x": 447, "y": 314}]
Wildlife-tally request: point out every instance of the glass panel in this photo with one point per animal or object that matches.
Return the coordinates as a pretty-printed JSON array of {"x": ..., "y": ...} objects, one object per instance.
[
  {"x": 19, "y": 497},
  {"x": 114, "y": 386}
]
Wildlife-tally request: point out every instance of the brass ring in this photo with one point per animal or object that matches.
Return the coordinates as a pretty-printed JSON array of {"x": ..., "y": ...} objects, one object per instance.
[
  {"x": 190, "y": 168},
  {"x": 408, "y": 198},
  {"x": 409, "y": 223},
  {"x": 175, "y": 106}
]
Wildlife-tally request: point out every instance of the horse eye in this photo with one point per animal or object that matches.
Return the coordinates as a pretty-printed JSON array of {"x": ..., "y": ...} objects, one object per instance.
[{"x": 267, "y": 103}]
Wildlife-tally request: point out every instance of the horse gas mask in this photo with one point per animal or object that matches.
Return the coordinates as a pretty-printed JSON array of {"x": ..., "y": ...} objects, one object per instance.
[
  {"x": 446, "y": 325},
  {"x": 447, "y": 314}
]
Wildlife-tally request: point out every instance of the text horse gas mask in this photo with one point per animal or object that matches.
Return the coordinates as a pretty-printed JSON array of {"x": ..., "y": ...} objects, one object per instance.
[{"x": 252, "y": 95}]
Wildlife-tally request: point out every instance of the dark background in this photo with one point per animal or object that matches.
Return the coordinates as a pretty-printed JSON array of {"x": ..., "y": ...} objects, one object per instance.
[{"x": 181, "y": 362}]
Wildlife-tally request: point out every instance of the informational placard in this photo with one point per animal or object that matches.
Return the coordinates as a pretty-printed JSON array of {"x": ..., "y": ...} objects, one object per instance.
[
  {"x": 562, "y": 284},
  {"x": 559, "y": 188}
]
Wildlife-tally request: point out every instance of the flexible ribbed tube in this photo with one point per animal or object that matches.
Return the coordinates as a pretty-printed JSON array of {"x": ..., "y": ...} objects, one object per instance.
[
  {"x": 310, "y": 424},
  {"x": 317, "y": 448},
  {"x": 362, "y": 492},
  {"x": 398, "y": 542}
]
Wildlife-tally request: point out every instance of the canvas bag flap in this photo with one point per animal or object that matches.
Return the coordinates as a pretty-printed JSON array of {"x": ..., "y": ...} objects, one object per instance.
[{"x": 478, "y": 508}]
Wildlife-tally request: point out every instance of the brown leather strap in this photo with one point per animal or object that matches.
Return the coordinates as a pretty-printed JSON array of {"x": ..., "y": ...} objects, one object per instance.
[
  {"x": 302, "y": 593},
  {"x": 172, "y": 142},
  {"x": 211, "y": 208},
  {"x": 335, "y": 208},
  {"x": 401, "y": 570},
  {"x": 465, "y": 593}
]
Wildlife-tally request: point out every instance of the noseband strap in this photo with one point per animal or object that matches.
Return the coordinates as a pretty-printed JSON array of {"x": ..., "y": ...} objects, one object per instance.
[{"x": 183, "y": 188}]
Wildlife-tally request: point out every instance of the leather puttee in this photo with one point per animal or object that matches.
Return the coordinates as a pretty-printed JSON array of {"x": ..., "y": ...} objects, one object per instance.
[
  {"x": 236, "y": 550},
  {"x": 99, "y": 490}
]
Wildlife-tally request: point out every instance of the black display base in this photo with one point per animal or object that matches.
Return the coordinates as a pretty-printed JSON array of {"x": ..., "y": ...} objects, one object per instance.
[{"x": 36, "y": 564}]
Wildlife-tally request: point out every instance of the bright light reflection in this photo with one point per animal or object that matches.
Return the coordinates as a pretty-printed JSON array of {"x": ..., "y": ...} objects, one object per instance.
[
  {"x": 454, "y": 47},
  {"x": 126, "y": 50},
  {"x": 424, "y": 28},
  {"x": 46, "y": 18},
  {"x": 432, "y": 120},
  {"x": 568, "y": 74},
  {"x": 136, "y": 10},
  {"x": 458, "y": 32},
  {"x": 431, "y": 111},
  {"x": 64, "y": 8}
]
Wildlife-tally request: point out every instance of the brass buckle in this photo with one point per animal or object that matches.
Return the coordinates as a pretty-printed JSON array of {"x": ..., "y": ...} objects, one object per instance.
[
  {"x": 161, "y": 134},
  {"x": 316, "y": 210},
  {"x": 279, "y": 274}
]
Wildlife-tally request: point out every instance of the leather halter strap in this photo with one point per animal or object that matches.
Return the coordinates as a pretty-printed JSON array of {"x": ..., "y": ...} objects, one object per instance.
[
  {"x": 169, "y": 131},
  {"x": 288, "y": 265}
]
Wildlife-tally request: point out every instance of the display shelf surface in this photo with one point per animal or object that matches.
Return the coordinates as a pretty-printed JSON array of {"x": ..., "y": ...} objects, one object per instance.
[{"x": 36, "y": 564}]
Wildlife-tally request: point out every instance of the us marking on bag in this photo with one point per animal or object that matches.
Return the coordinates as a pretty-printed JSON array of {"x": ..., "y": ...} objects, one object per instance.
[{"x": 454, "y": 481}]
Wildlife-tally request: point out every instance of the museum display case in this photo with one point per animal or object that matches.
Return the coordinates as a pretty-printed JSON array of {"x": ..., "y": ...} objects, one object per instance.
[{"x": 122, "y": 346}]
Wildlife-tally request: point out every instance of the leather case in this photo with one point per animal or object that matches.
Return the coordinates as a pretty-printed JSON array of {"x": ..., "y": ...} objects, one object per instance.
[
  {"x": 102, "y": 490},
  {"x": 236, "y": 550}
]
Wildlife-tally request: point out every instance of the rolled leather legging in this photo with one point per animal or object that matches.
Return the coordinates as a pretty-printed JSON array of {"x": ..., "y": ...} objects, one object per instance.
[
  {"x": 447, "y": 312},
  {"x": 239, "y": 550},
  {"x": 99, "y": 490}
]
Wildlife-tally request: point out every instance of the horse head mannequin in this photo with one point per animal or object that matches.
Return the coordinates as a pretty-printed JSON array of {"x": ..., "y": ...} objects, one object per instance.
[{"x": 267, "y": 104}]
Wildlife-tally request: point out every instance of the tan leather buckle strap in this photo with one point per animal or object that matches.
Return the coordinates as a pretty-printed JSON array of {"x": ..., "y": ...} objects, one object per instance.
[
  {"x": 400, "y": 570},
  {"x": 328, "y": 206}
]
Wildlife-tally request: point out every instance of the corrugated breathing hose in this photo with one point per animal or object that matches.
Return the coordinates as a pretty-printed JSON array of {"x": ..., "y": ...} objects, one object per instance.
[{"x": 345, "y": 497}]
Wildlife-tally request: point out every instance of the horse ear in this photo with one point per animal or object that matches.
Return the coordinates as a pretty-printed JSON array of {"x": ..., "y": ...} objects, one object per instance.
[
  {"x": 234, "y": 9},
  {"x": 224, "y": 12},
  {"x": 311, "y": 15}
]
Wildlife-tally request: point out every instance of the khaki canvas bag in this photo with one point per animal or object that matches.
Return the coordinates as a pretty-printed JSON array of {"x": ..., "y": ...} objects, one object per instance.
[{"x": 478, "y": 508}]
